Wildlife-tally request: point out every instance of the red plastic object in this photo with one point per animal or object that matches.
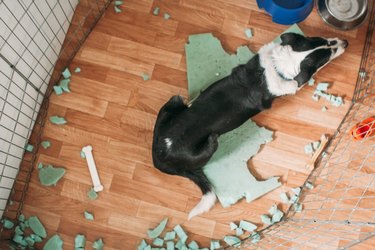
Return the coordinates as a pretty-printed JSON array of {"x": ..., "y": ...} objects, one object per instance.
[{"x": 364, "y": 129}]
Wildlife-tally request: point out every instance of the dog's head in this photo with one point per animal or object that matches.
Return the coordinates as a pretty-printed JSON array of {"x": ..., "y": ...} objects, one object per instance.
[{"x": 300, "y": 57}]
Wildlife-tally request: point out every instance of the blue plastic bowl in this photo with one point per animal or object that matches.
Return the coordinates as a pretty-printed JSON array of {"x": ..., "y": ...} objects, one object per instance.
[{"x": 287, "y": 12}]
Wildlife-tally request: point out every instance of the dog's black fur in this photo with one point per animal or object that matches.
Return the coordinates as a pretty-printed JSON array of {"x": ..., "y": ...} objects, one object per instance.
[{"x": 225, "y": 105}]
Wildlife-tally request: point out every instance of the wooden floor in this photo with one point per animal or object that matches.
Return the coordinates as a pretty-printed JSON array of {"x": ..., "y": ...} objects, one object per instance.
[{"x": 113, "y": 109}]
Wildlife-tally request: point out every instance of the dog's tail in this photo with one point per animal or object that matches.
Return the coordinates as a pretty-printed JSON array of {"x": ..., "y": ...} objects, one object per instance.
[{"x": 209, "y": 197}]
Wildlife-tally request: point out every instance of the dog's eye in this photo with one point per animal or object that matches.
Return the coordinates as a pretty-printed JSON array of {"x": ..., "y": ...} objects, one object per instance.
[{"x": 331, "y": 43}]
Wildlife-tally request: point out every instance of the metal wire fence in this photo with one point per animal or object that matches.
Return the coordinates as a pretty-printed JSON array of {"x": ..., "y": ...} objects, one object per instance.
[{"x": 38, "y": 39}]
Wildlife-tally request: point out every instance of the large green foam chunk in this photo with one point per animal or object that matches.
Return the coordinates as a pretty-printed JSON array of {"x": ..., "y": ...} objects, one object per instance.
[
  {"x": 37, "y": 227},
  {"x": 208, "y": 62},
  {"x": 49, "y": 175},
  {"x": 54, "y": 243}
]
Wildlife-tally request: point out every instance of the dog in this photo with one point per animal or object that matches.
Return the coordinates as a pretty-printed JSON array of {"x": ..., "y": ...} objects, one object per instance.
[{"x": 186, "y": 136}]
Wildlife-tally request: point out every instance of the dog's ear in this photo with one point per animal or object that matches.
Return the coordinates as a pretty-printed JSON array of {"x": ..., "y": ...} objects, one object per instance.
[
  {"x": 304, "y": 75},
  {"x": 290, "y": 38}
]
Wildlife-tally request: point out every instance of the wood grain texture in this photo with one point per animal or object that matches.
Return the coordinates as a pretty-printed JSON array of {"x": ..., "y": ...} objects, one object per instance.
[{"x": 113, "y": 109}]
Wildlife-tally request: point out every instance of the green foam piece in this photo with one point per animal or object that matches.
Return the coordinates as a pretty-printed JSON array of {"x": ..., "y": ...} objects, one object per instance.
[
  {"x": 170, "y": 245},
  {"x": 297, "y": 207},
  {"x": 82, "y": 154},
  {"x": 324, "y": 109},
  {"x": 88, "y": 215},
  {"x": 180, "y": 233},
  {"x": 117, "y": 3},
  {"x": 142, "y": 245},
  {"x": 316, "y": 145},
  {"x": 18, "y": 230},
  {"x": 98, "y": 244},
  {"x": 239, "y": 231},
  {"x": 166, "y": 16},
  {"x": 22, "y": 226},
  {"x": 296, "y": 190},
  {"x": 180, "y": 245},
  {"x": 7, "y": 224},
  {"x": 66, "y": 73},
  {"x": 49, "y": 175},
  {"x": 266, "y": 219},
  {"x": 309, "y": 185},
  {"x": 232, "y": 241},
  {"x": 64, "y": 84},
  {"x": 294, "y": 199},
  {"x": 77, "y": 70},
  {"x": 148, "y": 247},
  {"x": 215, "y": 244},
  {"x": 156, "y": 11},
  {"x": 57, "y": 120},
  {"x": 277, "y": 216},
  {"x": 247, "y": 226},
  {"x": 193, "y": 245},
  {"x": 233, "y": 226},
  {"x": 208, "y": 62},
  {"x": 79, "y": 241},
  {"x": 21, "y": 218},
  {"x": 27, "y": 224},
  {"x": 154, "y": 233},
  {"x": 145, "y": 76},
  {"x": 29, "y": 148},
  {"x": 323, "y": 86},
  {"x": 30, "y": 241},
  {"x": 308, "y": 148},
  {"x": 248, "y": 33},
  {"x": 37, "y": 227},
  {"x": 40, "y": 165},
  {"x": 54, "y": 243},
  {"x": 311, "y": 82},
  {"x": 36, "y": 238},
  {"x": 255, "y": 237},
  {"x": 284, "y": 197},
  {"x": 158, "y": 242},
  {"x": 170, "y": 235},
  {"x": 45, "y": 144},
  {"x": 58, "y": 90},
  {"x": 19, "y": 239},
  {"x": 272, "y": 209},
  {"x": 92, "y": 195},
  {"x": 117, "y": 9}
]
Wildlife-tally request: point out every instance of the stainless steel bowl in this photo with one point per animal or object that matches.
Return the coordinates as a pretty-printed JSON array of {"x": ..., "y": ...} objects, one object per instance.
[{"x": 343, "y": 14}]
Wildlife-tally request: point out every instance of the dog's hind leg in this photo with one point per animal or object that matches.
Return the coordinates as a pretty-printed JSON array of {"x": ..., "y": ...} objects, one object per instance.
[
  {"x": 173, "y": 107},
  {"x": 204, "y": 152}
]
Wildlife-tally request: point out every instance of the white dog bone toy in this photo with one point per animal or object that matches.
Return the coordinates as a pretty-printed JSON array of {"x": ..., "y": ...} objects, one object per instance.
[{"x": 92, "y": 168}]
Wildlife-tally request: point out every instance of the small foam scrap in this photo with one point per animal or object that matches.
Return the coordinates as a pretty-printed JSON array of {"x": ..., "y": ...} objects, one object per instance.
[
  {"x": 154, "y": 233},
  {"x": 255, "y": 237},
  {"x": 233, "y": 226},
  {"x": 294, "y": 199},
  {"x": 247, "y": 226},
  {"x": 57, "y": 120},
  {"x": 277, "y": 216},
  {"x": 308, "y": 148},
  {"x": 82, "y": 154},
  {"x": 272, "y": 209},
  {"x": 49, "y": 175},
  {"x": 66, "y": 73},
  {"x": 40, "y": 165},
  {"x": 88, "y": 215},
  {"x": 170, "y": 245},
  {"x": 193, "y": 245},
  {"x": 58, "y": 90},
  {"x": 142, "y": 245},
  {"x": 316, "y": 145},
  {"x": 29, "y": 148},
  {"x": 98, "y": 244},
  {"x": 309, "y": 185},
  {"x": 362, "y": 74},
  {"x": 21, "y": 218},
  {"x": 156, "y": 11},
  {"x": 117, "y": 3},
  {"x": 166, "y": 16},
  {"x": 8, "y": 224},
  {"x": 232, "y": 240},
  {"x": 337, "y": 101},
  {"x": 180, "y": 233},
  {"x": 315, "y": 97},
  {"x": 181, "y": 245},
  {"x": 45, "y": 144},
  {"x": 324, "y": 154},
  {"x": 92, "y": 195},
  {"x": 36, "y": 238},
  {"x": 77, "y": 70},
  {"x": 266, "y": 219},
  {"x": 311, "y": 82},
  {"x": 18, "y": 230},
  {"x": 284, "y": 197},
  {"x": 215, "y": 244},
  {"x": 30, "y": 241},
  {"x": 323, "y": 86},
  {"x": 239, "y": 231},
  {"x": 297, "y": 207},
  {"x": 170, "y": 235},
  {"x": 117, "y": 9},
  {"x": 145, "y": 76},
  {"x": 324, "y": 109},
  {"x": 248, "y": 33},
  {"x": 296, "y": 190},
  {"x": 79, "y": 241},
  {"x": 158, "y": 242},
  {"x": 64, "y": 84}
]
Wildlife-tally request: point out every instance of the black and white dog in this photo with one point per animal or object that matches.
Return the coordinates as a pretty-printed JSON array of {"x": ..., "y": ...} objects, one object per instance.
[{"x": 185, "y": 137}]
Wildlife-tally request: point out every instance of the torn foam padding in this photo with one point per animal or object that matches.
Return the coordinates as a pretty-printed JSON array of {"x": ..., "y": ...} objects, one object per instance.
[
  {"x": 208, "y": 62},
  {"x": 49, "y": 175}
]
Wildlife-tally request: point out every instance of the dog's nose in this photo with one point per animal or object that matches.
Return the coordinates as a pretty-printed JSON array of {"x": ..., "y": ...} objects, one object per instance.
[{"x": 345, "y": 43}]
